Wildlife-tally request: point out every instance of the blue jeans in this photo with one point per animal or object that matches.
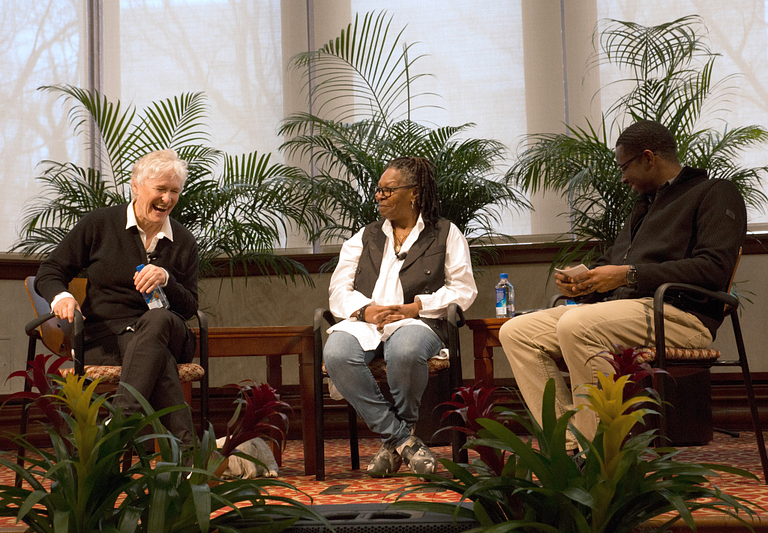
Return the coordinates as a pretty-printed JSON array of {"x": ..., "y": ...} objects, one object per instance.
[{"x": 406, "y": 353}]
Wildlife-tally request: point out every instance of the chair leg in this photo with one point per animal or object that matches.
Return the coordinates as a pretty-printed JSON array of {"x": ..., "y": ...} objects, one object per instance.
[
  {"x": 354, "y": 448},
  {"x": 750, "y": 395},
  {"x": 186, "y": 389},
  {"x": 662, "y": 382},
  {"x": 25, "y": 407},
  {"x": 756, "y": 421},
  {"x": 458, "y": 439}
]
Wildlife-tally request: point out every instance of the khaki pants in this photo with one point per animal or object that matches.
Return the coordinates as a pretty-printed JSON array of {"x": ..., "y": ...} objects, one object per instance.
[{"x": 575, "y": 333}]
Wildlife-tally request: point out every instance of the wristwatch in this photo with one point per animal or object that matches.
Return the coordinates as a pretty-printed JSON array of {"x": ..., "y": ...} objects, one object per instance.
[
  {"x": 632, "y": 277},
  {"x": 361, "y": 313}
]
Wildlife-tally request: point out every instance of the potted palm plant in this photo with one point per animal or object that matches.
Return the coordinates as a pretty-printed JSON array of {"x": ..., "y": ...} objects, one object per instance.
[
  {"x": 669, "y": 78},
  {"x": 363, "y": 90},
  {"x": 237, "y": 206}
]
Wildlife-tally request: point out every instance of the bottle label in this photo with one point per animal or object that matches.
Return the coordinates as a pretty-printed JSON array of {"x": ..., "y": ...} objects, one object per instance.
[
  {"x": 501, "y": 302},
  {"x": 156, "y": 299}
]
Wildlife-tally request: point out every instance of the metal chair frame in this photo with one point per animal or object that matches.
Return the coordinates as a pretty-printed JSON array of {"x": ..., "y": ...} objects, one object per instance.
[{"x": 455, "y": 319}]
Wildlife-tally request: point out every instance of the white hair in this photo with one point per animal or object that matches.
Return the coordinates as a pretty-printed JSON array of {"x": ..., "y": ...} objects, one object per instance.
[{"x": 159, "y": 163}]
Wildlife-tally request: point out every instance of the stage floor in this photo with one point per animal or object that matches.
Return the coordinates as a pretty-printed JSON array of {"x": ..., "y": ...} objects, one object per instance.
[{"x": 345, "y": 486}]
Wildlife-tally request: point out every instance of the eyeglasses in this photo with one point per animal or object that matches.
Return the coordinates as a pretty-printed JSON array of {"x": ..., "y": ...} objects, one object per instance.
[
  {"x": 625, "y": 164},
  {"x": 386, "y": 192}
]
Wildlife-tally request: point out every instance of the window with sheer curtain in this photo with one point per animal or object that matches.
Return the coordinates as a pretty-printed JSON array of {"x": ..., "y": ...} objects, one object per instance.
[
  {"x": 502, "y": 67},
  {"x": 738, "y": 31},
  {"x": 42, "y": 42}
]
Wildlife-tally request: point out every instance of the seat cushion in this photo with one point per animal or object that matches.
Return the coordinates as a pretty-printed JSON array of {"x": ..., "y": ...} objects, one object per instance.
[
  {"x": 111, "y": 374},
  {"x": 703, "y": 355}
]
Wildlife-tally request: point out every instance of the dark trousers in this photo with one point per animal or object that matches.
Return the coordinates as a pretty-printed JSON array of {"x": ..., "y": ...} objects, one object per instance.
[{"x": 149, "y": 351}]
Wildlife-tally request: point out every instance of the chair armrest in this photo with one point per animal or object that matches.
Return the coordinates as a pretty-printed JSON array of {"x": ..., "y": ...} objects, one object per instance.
[
  {"x": 730, "y": 303},
  {"x": 32, "y": 325},
  {"x": 321, "y": 315},
  {"x": 555, "y": 299},
  {"x": 455, "y": 316},
  {"x": 728, "y": 300}
]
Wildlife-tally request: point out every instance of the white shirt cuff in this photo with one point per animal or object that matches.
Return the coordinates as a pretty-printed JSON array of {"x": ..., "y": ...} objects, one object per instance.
[{"x": 60, "y": 296}]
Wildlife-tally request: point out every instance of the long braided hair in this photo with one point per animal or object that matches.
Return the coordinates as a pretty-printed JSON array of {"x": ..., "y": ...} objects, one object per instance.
[{"x": 419, "y": 171}]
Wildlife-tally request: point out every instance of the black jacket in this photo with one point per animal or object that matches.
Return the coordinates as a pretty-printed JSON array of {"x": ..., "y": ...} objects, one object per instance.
[{"x": 691, "y": 233}]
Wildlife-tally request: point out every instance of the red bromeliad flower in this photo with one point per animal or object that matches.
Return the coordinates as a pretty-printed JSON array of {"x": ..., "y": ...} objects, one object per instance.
[
  {"x": 47, "y": 380},
  {"x": 472, "y": 404},
  {"x": 632, "y": 362},
  {"x": 261, "y": 416}
]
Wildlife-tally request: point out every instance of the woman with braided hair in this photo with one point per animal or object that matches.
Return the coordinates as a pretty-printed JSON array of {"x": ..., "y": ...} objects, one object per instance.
[{"x": 393, "y": 284}]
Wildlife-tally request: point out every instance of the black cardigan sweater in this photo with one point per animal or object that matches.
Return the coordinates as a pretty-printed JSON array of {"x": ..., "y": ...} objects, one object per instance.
[
  {"x": 691, "y": 233},
  {"x": 100, "y": 244}
]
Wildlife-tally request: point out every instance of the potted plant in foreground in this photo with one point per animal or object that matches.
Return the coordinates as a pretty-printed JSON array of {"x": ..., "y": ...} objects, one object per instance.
[
  {"x": 84, "y": 484},
  {"x": 620, "y": 485}
]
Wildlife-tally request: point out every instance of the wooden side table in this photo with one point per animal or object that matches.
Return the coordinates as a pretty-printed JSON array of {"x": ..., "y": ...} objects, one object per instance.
[
  {"x": 277, "y": 341},
  {"x": 485, "y": 337}
]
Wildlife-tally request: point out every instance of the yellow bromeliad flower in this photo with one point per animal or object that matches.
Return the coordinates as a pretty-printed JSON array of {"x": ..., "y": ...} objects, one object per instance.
[
  {"x": 607, "y": 401},
  {"x": 84, "y": 411}
]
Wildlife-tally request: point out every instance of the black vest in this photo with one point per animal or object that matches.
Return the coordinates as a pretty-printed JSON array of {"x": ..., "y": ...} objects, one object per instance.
[{"x": 422, "y": 272}]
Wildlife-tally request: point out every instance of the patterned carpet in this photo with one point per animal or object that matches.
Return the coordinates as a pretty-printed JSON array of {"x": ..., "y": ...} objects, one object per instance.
[{"x": 344, "y": 486}]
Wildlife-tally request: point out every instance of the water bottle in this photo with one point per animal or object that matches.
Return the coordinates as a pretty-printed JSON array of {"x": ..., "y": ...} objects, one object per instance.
[
  {"x": 155, "y": 299},
  {"x": 505, "y": 298}
]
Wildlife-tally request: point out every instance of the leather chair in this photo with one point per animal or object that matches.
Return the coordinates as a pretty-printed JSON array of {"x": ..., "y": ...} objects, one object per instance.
[
  {"x": 66, "y": 339},
  {"x": 451, "y": 366}
]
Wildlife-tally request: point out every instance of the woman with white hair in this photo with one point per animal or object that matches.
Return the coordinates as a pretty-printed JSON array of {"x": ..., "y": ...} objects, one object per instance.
[{"x": 120, "y": 329}]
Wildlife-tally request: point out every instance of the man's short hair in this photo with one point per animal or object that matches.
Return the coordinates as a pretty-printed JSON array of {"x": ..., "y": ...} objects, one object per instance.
[{"x": 648, "y": 135}]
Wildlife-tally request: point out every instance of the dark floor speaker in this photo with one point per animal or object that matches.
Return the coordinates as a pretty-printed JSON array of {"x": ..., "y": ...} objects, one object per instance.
[{"x": 378, "y": 518}]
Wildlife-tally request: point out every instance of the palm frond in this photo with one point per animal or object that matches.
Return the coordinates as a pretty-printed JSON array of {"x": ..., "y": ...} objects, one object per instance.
[
  {"x": 365, "y": 72},
  {"x": 670, "y": 72},
  {"x": 240, "y": 212}
]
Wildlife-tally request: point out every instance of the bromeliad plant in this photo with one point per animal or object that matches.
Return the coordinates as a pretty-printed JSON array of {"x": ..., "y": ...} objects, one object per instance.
[
  {"x": 473, "y": 404},
  {"x": 262, "y": 416},
  {"x": 80, "y": 486},
  {"x": 633, "y": 363},
  {"x": 622, "y": 484}
]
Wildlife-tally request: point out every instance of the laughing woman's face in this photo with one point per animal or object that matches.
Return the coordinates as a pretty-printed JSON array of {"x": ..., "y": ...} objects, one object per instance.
[{"x": 155, "y": 198}]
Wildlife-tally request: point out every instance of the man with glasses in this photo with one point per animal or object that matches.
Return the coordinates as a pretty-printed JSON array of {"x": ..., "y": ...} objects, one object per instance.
[{"x": 684, "y": 227}]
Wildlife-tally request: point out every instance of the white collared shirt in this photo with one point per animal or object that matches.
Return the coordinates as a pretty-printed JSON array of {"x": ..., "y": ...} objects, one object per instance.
[
  {"x": 459, "y": 285},
  {"x": 166, "y": 232}
]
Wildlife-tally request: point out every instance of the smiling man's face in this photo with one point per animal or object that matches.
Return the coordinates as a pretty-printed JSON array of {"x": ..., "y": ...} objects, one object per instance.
[{"x": 155, "y": 198}]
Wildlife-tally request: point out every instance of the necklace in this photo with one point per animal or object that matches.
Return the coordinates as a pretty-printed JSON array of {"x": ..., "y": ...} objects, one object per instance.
[{"x": 398, "y": 243}]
